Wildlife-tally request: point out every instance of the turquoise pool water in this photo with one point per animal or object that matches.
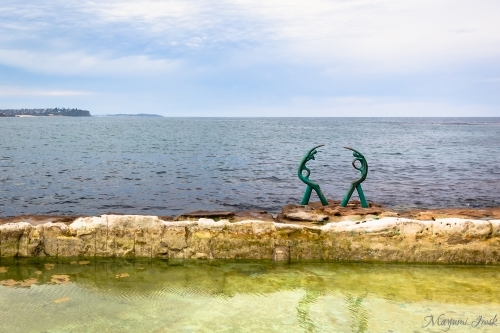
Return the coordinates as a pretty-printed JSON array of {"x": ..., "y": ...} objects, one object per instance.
[{"x": 111, "y": 295}]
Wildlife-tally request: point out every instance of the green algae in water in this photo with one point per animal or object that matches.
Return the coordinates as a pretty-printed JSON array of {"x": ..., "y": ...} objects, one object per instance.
[{"x": 112, "y": 295}]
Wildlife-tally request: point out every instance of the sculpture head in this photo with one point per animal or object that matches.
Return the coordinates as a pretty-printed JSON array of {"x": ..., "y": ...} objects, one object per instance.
[
  {"x": 302, "y": 166},
  {"x": 310, "y": 155},
  {"x": 363, "y": 167}
]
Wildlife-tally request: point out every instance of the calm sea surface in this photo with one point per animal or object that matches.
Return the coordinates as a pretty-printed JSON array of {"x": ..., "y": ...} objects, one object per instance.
[{"x": 166, "y": 166}]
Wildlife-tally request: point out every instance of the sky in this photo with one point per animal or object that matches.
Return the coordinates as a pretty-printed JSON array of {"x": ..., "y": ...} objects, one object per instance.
[{"x": 279, "y": 58}]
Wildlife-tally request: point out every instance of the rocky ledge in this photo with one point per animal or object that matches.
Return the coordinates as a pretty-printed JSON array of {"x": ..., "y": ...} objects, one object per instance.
[{"x": 374, "y": 236}]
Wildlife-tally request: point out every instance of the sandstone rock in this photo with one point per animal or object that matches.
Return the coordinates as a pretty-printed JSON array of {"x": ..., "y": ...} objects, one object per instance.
[
  {"x": 35, "y": 220},
  {"x": 495, "y": 228},
  {"x": 465, "y": 228},
  {"x": 200, "y": 256},
  {"x": 34, "y": 244},
  {"x": 306, "y": 216},
  {"x": 84, "y": 224},
  {"x": 174, "y": 237},
  {"x": 50, "y": 233},
  {"x": 443, "y": 240},
  {"x": 210, "y": 223},
  {"x": 252, "y": 215},
  {"x": 11, "y": 239},
  {"x": 130, "y": 233},
  {"x": 254, "y": 227},
  {"x": 384, "y": 225},
  {"x": 154, "y": 242},
  {"x": 132, "y": 221},
  {"x": 244, "y": 240},
  {"x": 92, "y": 232},
  {"x": 467, "y": 213},
  {"x": 70, "y": 246},
  {"x": 281, "y": 253},
  {"x": 204, "y": 214},
  {"x": 416, "y": 229},
  {"x": 317, "y": 213},
  {"x": 143, "y": 242},
  {"x": 199, "y": 237}
]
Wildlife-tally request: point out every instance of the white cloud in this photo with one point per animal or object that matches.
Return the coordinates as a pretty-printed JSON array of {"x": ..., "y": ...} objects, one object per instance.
[
  {"x": 398, "y": 107},
  {"x": 382, "y": 36},
  {"x": 238, "y": 52},
  {"x": 374, "y": 34},
  {"x": 6, "y": 91},
  {"x": 80, "y": 63},
  {"x": 143, "y": 10},
  {"x": 304, "y": 106},
  {"x": 360, "y": 35}
]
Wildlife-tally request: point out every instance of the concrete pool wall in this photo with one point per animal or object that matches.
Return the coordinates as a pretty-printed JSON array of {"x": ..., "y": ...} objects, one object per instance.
[{"x": 387, "y": 239}]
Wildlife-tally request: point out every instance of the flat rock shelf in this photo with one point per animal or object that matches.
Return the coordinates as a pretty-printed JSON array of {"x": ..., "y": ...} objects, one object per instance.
[{"x": 372, "y": 237}]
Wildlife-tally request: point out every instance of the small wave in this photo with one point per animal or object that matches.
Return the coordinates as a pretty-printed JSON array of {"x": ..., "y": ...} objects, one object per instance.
[
  {"x": 272, "y": 179},
  {"x": 461, "y": 124}
]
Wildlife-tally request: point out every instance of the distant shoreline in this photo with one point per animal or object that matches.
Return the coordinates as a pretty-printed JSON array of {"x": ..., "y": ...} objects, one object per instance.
[
  {"x": 147, "y": 115},
  {"x": 55, "y": 112}
]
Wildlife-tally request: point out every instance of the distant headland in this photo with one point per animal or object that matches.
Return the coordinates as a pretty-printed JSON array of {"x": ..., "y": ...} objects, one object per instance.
[
  {"x": 134, "y": 115},
  {"x": 56, "y": 112}
]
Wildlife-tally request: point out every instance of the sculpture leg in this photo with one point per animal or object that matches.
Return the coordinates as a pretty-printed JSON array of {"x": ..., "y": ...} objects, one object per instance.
[
  {"x": 321, "y": 196},
  {"x": 362, "y": 198},
  {"x": 347, "y": 196},
  {"x": 307, "y": 195}
]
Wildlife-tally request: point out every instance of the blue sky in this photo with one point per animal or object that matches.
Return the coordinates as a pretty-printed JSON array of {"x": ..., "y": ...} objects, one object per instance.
[{"x": 253, "y": 58}]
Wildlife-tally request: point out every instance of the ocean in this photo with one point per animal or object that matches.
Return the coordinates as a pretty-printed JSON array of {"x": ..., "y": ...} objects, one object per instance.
[{"x": 169, "y": 166}]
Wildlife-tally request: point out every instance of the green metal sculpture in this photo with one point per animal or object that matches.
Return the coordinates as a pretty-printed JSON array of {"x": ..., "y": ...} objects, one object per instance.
[
  {"x": 363, "y": 168},
  {"x": 305, "y": 178}
]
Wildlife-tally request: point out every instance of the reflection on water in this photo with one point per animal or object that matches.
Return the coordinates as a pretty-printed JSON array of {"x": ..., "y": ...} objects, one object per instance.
[
  {"x": 303, "y": 309},
  {"x": 358, "y": 313},
  {"x": 221, "y": 296}
]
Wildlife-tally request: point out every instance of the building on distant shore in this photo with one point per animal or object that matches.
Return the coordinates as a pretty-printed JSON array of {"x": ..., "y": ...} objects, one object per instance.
[{"x": 61, "y": 112}]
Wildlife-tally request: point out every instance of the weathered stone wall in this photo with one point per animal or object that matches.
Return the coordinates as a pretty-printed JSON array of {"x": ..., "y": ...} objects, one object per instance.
[{"x": 390, "y": 239}]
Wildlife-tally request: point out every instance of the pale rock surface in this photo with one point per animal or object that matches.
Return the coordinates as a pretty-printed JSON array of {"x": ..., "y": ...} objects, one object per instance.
[
  {"x": 89, "y": 223},
  {"x": 306, "y": 216},
  {"x": 390, "y": 239},
  {"x": 495, "y": 228},
  {"x": 11, "y": 238}
]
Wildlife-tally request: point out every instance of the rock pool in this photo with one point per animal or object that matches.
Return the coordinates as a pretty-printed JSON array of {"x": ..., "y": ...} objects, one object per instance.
[{"x": 119, "y": 295}]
